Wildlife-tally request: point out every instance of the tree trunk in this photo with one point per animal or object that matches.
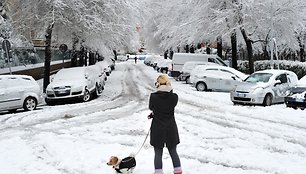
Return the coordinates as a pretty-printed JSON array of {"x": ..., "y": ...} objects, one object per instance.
[
  {"x": 115, "y": 54},
  {"x": 234, "y": 49},
  {"x": 82, "y": 55},
  {"x": 74, "y": 60},
  {"x": 91, "y": 58},
  {"x": 302, "y": 47},
  {"x": 248, "y": 42},
  {"x": 47, "y": 57},
  {"x": 219, "y": 47}
]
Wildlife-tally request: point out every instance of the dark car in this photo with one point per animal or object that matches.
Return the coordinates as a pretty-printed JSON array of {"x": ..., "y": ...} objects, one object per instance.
[{"x": 296, "y": 98}]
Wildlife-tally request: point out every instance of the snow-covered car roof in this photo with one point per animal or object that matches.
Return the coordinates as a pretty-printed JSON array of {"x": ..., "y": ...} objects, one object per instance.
[{"x": 4, "y": 78}]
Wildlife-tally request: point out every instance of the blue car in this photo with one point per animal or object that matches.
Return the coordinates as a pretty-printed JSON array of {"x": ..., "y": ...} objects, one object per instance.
[{"x": 297, "y": 98}]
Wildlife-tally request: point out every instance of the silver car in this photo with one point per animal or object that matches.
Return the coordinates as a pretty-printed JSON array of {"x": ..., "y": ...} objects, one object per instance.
[
  {"x": 264, "y": 87},
  {"x": 19, "y": 91},
  {"x": 216, "y": 78},
  {"x": 73, "y": 83}
]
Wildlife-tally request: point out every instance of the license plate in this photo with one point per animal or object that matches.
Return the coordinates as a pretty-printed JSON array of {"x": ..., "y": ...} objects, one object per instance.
[
  {"x": 240, "y": 95},
  {"x": 61, "y": 92}
]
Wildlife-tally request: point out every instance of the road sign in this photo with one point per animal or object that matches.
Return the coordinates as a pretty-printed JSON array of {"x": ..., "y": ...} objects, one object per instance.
[
  {"x": 63, "y": 48},
  {"x": 6, "y": 45}
]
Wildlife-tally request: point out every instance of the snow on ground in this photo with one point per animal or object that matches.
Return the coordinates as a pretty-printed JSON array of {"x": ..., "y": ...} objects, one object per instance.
[{"x": 216, "y": 136}]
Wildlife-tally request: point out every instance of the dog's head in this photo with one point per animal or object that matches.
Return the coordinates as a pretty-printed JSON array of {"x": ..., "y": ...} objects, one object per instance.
[{"x": 113, "y": 161}]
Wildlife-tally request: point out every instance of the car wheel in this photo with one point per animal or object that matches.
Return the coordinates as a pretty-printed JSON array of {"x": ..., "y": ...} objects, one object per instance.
[
  {"x": 86, "y": 96},
  {"x": 302, "y": 108},
  {"x": 201, "y": 86},
  {"x": 268, "y": 100},
  {"x": 29, "y": 104},
  {"x": 187, "y": 80},
  {"x": 99, "y": 89}
]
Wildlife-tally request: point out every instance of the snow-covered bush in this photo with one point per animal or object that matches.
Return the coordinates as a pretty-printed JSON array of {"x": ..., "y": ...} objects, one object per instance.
[{"x": 295, "y": 66}]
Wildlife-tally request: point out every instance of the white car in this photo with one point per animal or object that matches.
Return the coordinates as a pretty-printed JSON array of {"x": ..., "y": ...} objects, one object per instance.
[
  {"x": 19, "y": 91},
  {"x": 101, "y": 76},
  {"x": 73, "y": 83},
  {"x": 105, "y": 66},
  {"x": 264, "y": 87},
  {"x": 163, "y": 66},
  {"x": 216, "y": 77}
]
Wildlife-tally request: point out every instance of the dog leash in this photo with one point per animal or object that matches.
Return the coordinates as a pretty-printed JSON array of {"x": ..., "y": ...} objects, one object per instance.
[{"x": 143, "y": 142}]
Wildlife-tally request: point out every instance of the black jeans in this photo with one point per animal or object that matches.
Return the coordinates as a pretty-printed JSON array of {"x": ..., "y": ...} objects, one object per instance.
[{"x": 158, "y": 164}]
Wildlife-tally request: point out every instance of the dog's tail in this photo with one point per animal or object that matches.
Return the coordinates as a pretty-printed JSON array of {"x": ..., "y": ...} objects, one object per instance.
[{"x": 132, "y": 155}]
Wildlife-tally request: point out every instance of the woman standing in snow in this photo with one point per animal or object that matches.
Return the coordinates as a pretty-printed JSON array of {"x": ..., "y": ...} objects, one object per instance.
[{"x": 163, "y": 127}]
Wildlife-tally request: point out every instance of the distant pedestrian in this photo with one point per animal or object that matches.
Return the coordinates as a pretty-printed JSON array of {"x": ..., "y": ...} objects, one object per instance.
[
  {"x": 135, "y": 59},
  {"x": 166, "y": 54},
  {"x": 171, "y": 54},
  {"x": 164, "y": 130},
  {"x": 192, "y": 49},
  {"x": 208, "y": 49}
]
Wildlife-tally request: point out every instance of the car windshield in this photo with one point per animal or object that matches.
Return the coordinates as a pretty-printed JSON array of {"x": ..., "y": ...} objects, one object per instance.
[{"x": 259, "y": 77}]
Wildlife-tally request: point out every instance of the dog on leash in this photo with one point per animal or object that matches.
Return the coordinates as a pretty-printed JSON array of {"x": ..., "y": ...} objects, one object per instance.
[{"x": 125, "y": 165}]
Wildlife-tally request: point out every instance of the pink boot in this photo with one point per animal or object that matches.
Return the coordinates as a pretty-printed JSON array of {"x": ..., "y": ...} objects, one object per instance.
[
  {"x": 158, "y": 171},
  {"x": 178, "y": 170}
]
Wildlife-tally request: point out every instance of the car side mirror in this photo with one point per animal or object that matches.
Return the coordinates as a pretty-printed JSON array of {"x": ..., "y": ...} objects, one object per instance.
[{"x": 278, "y": 82}]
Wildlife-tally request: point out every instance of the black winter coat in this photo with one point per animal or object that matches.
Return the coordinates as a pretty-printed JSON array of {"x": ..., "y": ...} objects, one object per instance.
[{"x": 163, "y": 126}]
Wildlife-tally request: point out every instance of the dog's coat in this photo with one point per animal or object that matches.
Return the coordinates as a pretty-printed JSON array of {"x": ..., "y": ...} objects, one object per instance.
[{"x": 126, "y": 165}]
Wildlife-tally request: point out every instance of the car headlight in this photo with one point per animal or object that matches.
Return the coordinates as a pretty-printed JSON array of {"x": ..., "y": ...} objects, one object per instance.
[
  {"x": 49, "y": 91},
  {"x": 257, "y": 90}
]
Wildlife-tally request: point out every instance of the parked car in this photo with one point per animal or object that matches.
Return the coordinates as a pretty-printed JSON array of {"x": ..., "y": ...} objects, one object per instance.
[
  {"x": 105, "y": 66},
  {"x": 217, "y": 78},
  {"x": 73, "y": 83},
  {"x": 163, "y": 66},
  {"x": 264, "y": 87},
  {"x": 297, "y": 95},
  {"x": 19, "y": 91},
  {"x": 188, "y": 67},
  {"x": 101, "y": 76},
  {"x": 112, "y": 63},
  {"x": 157, "y": 60},
  {"x": 148, "y": 59}
]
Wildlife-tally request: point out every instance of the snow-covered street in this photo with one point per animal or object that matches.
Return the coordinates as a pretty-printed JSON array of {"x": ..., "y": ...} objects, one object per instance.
[{"x": 216, "y": 136}]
